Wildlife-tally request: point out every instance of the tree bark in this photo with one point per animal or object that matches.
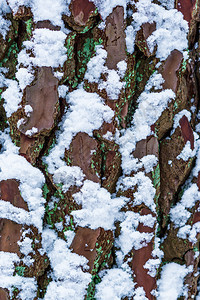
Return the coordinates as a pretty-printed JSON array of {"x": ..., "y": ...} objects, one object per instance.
[{"x": 99, "y": 150}]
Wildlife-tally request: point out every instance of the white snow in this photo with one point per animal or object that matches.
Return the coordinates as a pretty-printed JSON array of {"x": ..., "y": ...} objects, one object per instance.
[
  {"x": 31, "y": 131},
  {"x": 179, "y": 116},
  {"x": 83, "y": 105},
  {"x": 69, "y": 279},
  {"x": 179, "y": 213},
  {"x": 24, "y": 77},
  {"x": 145, "y": 191},
  {"x": 98, "y": 208},
  {"x": 105, "y": 7},
  {"x": 150, "y": 108},
  {"x": 50, "y": 10},
  {"x": 68, "y": 176},
  {"x": 167, "y": 36},
  {"x": 28, "y": 286},
  {"x": 96, "y": 66},
  {"x": 12, "y": 97},
  {"x": 130, "y": 237},
  {"x": 4, "y": 24},
  {"x": 169, "y": 4},
  {"x": 44, "y": 10},
  {"x": 115, "y": 284},
  {"x": 31, "y": 181},
  {"x": 171, "y": 285},
  {"x": 47, "y": 47},
  {"x": 187, "y": 152}
]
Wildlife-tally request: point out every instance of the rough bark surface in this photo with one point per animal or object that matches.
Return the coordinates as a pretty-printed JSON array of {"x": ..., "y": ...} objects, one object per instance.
[{"x": 149, "y": 178}]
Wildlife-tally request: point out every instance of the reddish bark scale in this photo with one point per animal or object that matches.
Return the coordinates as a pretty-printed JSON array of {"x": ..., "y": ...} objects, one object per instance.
[
  {"x": 47, "y": 24},
  {"x": 9, "y": 191},
  {"x": 81, "y": 154},
  {"x": 169, "y": 72},
  {"x": 186, "y": 8},
  {"x": 42, "y": 96},
  {"x": 84, "y": 244},
  {"x": 187, "y": 131},
  {"x": 196, "y": 215},
  {"x": 25, "y": 143},
  {"x": 82, "y": 10},
  {"x": 148, "y": 146},
  {"x": 140, "y": 257},
  {"x": 124, "y": 113},
  {"x": 115, "y": 38},
  {"x": 143, "y": 279},
  {"x": 10, "y": 234},
  {"x": 3, "y": 294},
  {"x": 142, "y": 35}
]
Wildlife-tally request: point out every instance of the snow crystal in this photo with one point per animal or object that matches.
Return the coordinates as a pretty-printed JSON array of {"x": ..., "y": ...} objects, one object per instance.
[
  {"x": 12, "y": 97},
  {"x": 83, "y": 105},
  {"x": 178, "y": 117},
  {"x": 122, "y": 66},
  {"x": 47, "y": 47},
  {"x": 187, "y": 152},
  {"x": 130, "y": 38},
  {"x": 179, "y": 214},
  {"x": 15, "y": 4},
  {"x": 150, "y": 108},
  {"x": 112, "y": 85},
  {"x": 152, "y": 265},
  {"x": 108, "y": 136},
  {"x": 62, "y": 90},
  {"x": 50, "y": 10},
  {"x": 98, "y": 208},
  {"x": 24, "y": 77},
  {"x": 131, "y": 238},
  {"x": 69, "y": 279},
  {"x": 31, "y": 181},
  {"x": 28, "y": 109},
  {"x": 4, "y": 24},
  {"x": 105, "y": 7},
  {"x": 31, "y": 131},
  {"x": 169, "y": 4},
  {"x": 140, "y": 294},
  {"x": 145, "y": 191},
  {"x": 44, "y": 10},
  {"x": 25, "y": 246},
  {"x": 68, "y": 176},
  {"x": 116, "y": 284},
  {"x": 171, "y": 28},
  {"x": 171, "y": 284},
  {"x": 96, "y": 66},
  {"x": 28, "y": 286}
]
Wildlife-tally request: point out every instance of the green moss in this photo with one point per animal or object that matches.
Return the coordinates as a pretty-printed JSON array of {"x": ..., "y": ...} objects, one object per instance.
[
  {"x": 29, "y": 27},
  {"x": 156, "y": 176},
  {"x": 91, "y": 288},
  {"x": 20, "y": 270},
  {"x": 70, "y": 45},
  {"x": 84, "y": 55},
  {"x": 10, "y": 60},
  {"x": 45, "y": 190}
]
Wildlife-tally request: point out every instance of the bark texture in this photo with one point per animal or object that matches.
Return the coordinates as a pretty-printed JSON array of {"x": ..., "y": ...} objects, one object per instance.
[{"x": 157, "y": 171}]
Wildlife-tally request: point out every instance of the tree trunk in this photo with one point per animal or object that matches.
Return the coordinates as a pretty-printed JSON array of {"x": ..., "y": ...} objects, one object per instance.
[{"x": 99, "y": 149}]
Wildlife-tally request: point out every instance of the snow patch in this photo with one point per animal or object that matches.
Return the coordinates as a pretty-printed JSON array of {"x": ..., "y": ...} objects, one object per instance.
[
  {"x": 116, "y": 284},
  {"x": 171, "y": 285},
  {"x": 83, "y": 105},
  {"x": 98, "y": 208}
]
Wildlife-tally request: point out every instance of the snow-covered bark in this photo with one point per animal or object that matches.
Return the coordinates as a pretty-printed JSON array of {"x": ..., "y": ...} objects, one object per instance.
[{"x": 99, "y": 157}]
